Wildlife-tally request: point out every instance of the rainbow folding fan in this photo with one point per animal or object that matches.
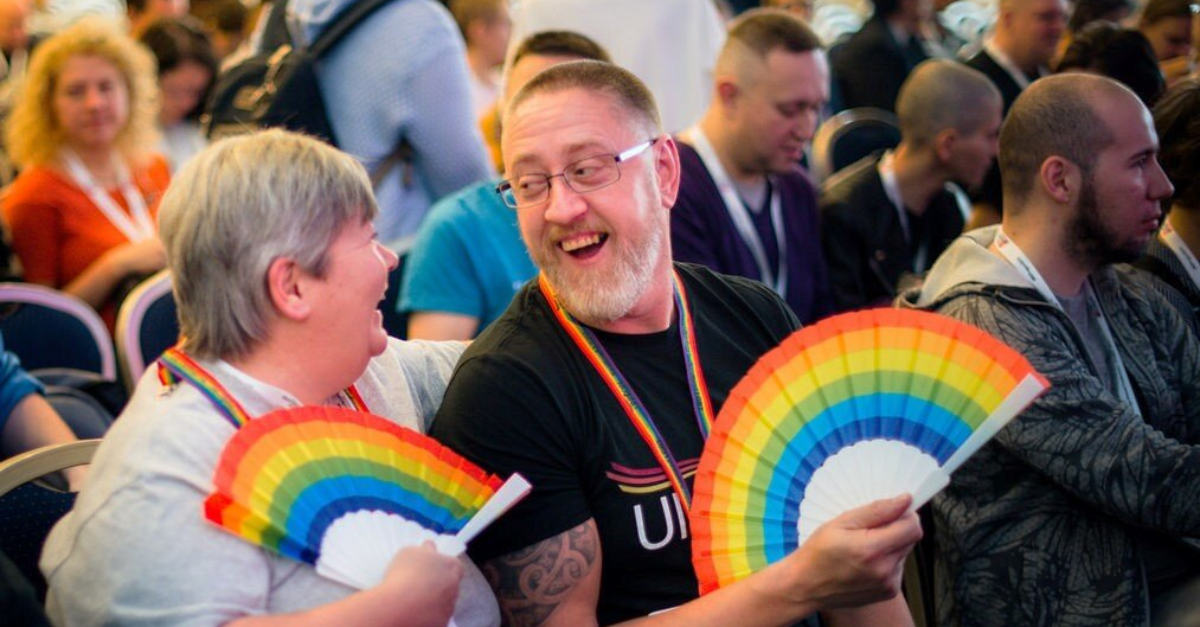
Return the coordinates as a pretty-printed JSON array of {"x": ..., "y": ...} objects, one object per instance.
[
  {"x": 346, "y": 490},
  {"x": 858, "y": 407}
]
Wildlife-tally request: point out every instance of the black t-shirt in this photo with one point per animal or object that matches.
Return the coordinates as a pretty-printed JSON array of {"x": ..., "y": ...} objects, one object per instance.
[{"x": 524, "y": 399}]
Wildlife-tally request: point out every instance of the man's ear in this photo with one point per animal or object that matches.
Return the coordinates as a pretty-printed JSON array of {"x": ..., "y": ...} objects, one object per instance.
[
  {"x": 666, "y": 168},
  {"x": 285, "y": 286},
  {"x": 727, "y": 91},
  {"x": 943, "y": 144},
  {"x": 1060, "y": 179}
]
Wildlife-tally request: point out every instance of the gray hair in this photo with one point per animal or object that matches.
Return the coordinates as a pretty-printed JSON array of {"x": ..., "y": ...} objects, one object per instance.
[
  {"x": 237, "y": 207},
  {"x": 941, "y": 94},
  {"x": 627, "y": 90}
]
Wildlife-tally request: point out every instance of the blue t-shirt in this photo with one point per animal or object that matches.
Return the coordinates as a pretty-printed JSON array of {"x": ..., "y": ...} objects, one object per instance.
[
  {"x": 15, "y": 384},
  {"x": 468, "y": 257}
]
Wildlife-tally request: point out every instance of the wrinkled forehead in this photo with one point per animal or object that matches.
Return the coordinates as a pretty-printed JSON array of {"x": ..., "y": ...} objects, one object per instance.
[{"x": 552, "y": 127}]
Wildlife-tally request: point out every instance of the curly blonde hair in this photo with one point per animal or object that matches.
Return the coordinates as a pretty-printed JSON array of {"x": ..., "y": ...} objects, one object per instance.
[{"x": 34, "y": 136}]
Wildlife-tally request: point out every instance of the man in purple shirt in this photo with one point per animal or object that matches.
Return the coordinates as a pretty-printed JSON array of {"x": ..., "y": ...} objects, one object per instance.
[{"x": 744, "y": 206}]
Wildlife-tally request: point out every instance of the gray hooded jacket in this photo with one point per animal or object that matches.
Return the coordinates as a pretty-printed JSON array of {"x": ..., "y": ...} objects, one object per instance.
[{"x": 1042, "y": 525}]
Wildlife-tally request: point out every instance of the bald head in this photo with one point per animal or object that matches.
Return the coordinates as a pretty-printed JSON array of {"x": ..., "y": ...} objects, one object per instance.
[
  {"x": 1055, "y": 116},
  {"x": 756, "y": 34},
  {"x": 941, "y": 94}
]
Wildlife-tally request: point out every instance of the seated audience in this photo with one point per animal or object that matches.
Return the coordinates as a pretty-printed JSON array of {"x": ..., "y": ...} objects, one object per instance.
[
  {"x": 870, "y": 66},
  {"x": 885, "y": 219},
  {"x": 1172, "y": 256},
  {"x": 745, "y": 207},
  {"x": 529, "y": 394},
  {"x": 1170, "y": 25},
  {"x": 468, "y": 259},
  {"x": 27, "y": 421},
  {"x": 1023, "y": 44},
  {"x": 81, "y": 213},
  {"x": 277, "y": 274},
  {"x": 1085, "y": 509},
  {"x": 1122, "y": 54},
  {"x": 187, "y": 68}
]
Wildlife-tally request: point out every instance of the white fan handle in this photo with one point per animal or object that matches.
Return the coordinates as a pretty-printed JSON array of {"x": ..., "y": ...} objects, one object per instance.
[
  {"x": 1025, "y": 393},
  {"x": 512, "y": 491},
  {"x": 926, "y": 490}
]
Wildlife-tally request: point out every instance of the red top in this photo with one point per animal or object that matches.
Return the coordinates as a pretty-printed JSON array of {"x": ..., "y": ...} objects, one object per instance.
[{"x": 57, "y": 232}]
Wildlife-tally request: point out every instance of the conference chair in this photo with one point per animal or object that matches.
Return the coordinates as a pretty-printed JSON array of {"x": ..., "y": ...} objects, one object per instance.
[
  {"x": 849, "y": 136},
  {"x": 147, "y": 325},
  {"x": 33, "y": 499},
  {"x": 47, "y": 328}
]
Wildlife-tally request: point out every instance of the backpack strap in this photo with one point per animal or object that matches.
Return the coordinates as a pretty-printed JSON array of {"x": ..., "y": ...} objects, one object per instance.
[{"x": 341, "y": 25}]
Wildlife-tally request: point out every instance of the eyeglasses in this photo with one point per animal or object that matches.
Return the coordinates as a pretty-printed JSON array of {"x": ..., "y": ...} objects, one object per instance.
[{"x": 583, "y": 176}]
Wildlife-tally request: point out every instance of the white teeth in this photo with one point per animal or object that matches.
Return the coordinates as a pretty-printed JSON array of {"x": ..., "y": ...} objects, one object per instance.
[{"x": 576, "y": 243}]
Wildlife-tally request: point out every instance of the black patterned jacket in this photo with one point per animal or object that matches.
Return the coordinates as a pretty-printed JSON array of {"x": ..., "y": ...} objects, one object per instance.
[{"x": 1040, "y": 527}]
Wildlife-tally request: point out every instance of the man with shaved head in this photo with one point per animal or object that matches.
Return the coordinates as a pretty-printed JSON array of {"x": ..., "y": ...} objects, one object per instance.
[
  {"x": 745, "y": 207},
  {"x": 885, "y": 219},
  {"x": 1085, "y": 510}
]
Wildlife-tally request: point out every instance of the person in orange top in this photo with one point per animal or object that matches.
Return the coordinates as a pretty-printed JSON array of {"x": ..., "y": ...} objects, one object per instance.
[{"x": 81, "y": 214}]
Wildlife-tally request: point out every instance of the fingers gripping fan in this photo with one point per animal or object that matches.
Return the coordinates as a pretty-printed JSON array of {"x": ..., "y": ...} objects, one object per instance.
[
  {"x": 859, "y": 407},
  {"x": 345, "y": 491}
]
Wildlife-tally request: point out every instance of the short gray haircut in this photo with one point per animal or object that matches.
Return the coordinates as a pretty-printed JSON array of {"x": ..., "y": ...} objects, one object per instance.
[
  {"x": 1055, "y": 116},
  {"x": 941, "y": 94},
  {"x": 237, "y": 207},
  {"x": 627, "y": 90}
]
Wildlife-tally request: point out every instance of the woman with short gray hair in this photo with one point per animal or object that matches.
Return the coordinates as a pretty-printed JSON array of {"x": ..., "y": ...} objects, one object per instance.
[{"x": 277, "y": 278}]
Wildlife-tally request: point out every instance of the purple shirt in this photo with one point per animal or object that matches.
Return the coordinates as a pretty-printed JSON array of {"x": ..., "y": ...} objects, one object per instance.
[{"x": 703, "y": 232}]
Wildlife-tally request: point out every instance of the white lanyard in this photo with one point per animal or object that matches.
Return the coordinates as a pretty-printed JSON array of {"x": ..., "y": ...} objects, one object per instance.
[
  {"x": 136, "y": 228},
  {"x": 1172, "y": 241},
  {"x": 1007, "y": 65},
  {"x": 1017, "y": 258},
  {"x": 887, "y": 175},
  {"x": 776, "y": 280}
]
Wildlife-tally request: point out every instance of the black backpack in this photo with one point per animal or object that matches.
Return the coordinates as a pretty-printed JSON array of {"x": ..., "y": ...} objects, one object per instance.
[{"x": 278, "y": 87}]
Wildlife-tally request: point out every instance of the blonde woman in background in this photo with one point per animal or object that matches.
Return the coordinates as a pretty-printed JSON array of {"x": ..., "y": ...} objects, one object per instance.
[{"x": 81, "y": 213}]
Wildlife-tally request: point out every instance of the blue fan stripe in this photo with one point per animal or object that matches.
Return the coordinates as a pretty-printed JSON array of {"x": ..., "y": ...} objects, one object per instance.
[
  {"x": 901, "y": 417},
  {"x": 319, "y": 504}
]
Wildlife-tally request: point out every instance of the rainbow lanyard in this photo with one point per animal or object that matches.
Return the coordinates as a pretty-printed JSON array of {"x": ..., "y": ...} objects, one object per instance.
[
  {"x": 591, "y": 348},
  {"x": 174, "y": 366}
]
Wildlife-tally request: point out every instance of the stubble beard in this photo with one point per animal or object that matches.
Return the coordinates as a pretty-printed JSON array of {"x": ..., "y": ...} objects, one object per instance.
[{"x": 1089, "y": 240}]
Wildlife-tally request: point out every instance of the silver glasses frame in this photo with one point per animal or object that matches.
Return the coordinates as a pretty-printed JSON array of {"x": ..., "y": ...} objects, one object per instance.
[{"x": 505, "y": 187}]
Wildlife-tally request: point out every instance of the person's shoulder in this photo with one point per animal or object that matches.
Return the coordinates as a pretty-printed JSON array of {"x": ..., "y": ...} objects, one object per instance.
[
  {"x": 467, "y": 208},
  {"x": 846, "y": 190},
  {"x": 730, "y": 289},
  {"x": 36, "y": 185},
  {"x": 694, "y": 175}
]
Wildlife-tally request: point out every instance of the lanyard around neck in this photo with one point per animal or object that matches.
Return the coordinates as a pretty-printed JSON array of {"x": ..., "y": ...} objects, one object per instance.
[
  {"x": 920, "y": 248},
  {"x": 174, "y": 365},
  {"x": 593, "y": 350},
  {"x": 1021, "y": 262},
  {"x": 1171, "y": 239},
  {"x": 776, "y": 279},
  {"x": 135, "y": 225}
]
